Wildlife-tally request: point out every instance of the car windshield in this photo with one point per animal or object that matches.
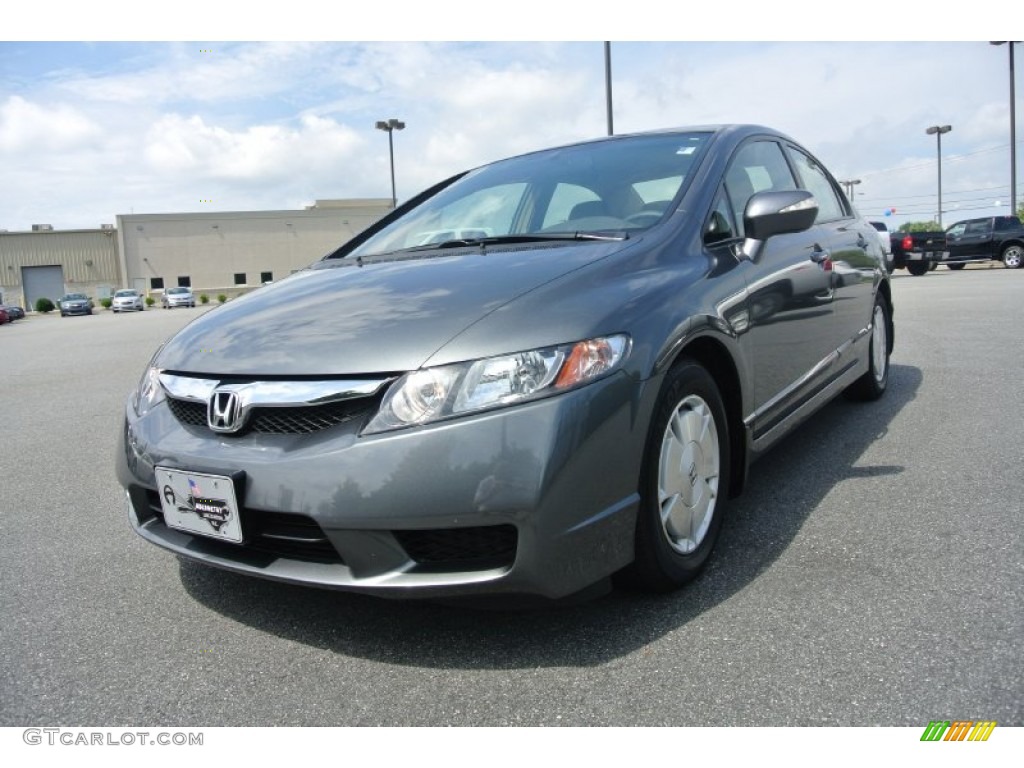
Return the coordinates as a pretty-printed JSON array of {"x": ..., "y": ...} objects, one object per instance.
[
  {"x": 615, "y": 186},
  {"x": 123, "y": 294},
  {"x": 75, "y": 297}
]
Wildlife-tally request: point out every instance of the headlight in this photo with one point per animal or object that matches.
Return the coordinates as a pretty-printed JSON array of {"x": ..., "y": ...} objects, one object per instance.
[
  {"x": 149, "y": 392},
  {"x": 433, "y": 394}
]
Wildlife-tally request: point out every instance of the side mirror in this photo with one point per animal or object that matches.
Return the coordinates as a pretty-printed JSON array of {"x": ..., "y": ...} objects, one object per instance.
[{"x": 775, "y": 213}]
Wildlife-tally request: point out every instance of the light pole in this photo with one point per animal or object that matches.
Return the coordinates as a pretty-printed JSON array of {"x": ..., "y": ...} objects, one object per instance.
[
  {"x": 850, "y": 184},
  {"x": 608, "y": 83},
  {"x": 391, "y": 126},
  {"x": 938, "y": 130},
  {"x": 1013, "y": 129}
]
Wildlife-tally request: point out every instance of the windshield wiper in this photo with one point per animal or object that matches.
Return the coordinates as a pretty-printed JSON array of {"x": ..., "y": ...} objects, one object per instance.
[{"x": 540, "y": 237}]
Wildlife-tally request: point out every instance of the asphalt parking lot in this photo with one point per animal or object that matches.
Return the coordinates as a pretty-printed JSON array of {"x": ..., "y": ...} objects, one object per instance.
[{"x": 872, "y": 574}]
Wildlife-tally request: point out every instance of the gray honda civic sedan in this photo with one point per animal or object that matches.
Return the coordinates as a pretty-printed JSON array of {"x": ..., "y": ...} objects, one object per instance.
[{"x": 532, "y": 376}]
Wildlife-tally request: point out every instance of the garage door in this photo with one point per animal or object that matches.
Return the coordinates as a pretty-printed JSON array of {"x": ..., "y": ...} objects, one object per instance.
[{"x": 42, "y": 282}]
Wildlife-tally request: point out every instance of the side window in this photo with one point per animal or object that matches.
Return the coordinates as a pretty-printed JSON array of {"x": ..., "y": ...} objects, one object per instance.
[
  {"x": 485, "y": 213},
  {"x": 571, "y": 201},
  {"x": 656, "y": 194},
  {"x": 817, "y": 182},
  {"x": 758, "y": 166},
  {"x": 977, "y": 228},
  {"x": 956, "y": 230},
  {"x": 719, "y": 226}
]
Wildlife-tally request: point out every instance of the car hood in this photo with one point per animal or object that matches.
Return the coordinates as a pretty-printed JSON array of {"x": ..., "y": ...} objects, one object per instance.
[{"x": 339, "y": 318}]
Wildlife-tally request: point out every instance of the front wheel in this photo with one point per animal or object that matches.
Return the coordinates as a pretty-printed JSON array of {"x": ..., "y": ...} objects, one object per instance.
[
  {"x": 1013, "y": 255},
  {"x": 917, "y": 268},
  {"x": 956, "y": 266},
  {"x": 684, "y": 481},
  {"x": 872, "y": 385}
]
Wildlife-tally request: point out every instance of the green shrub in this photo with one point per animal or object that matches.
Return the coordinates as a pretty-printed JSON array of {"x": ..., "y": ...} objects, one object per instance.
[
  {"x": 222, "y": 297},
  {"x": 204, "y": 299},
  {"x": 150, "y": 301},
  {"x": 44, "y": 305},
  {"x": 106, "y": 303}
]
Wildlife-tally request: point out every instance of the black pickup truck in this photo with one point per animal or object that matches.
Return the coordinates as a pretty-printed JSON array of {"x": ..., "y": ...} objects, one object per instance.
[
  {"x": 993, "y": 238},
  {"x": 917, "y": 251}
]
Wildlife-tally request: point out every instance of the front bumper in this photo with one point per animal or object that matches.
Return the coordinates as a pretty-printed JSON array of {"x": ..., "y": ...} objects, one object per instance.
[{"x": 535, "y": 499}]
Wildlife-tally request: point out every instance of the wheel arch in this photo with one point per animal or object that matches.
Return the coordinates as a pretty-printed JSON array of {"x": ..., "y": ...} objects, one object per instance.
[
  {"x": 885, "y": 289},
  {"x": 1015, "y": 242},
  {"x": 715, "y": 357}
]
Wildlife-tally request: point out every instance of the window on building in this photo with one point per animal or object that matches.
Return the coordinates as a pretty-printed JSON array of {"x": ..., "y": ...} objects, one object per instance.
[
  {"x": 239, "y": 278},
  {"x": 156, "y": 283},
  {"x": 184, "y": 281},
  {"x": 266, "y": 277}
]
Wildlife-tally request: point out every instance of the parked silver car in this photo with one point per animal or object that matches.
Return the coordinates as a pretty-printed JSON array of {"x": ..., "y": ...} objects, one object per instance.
[
  {"x": 178, "y": 297},
  {"x": 128, "y": 300},
  {"x": 75, "y": 304},
  {"x": 570, "y": 385}
]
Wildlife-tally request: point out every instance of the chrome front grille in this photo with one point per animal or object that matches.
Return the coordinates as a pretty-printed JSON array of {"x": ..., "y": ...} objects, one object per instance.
[
  {"x": 301, "y": 420},
  {"x": 274, "y": 407}
]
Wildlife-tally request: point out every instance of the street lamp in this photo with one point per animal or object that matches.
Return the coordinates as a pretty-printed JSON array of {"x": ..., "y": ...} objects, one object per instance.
[
  {"x": 938, "y": 130},
  {"x": 608, "y": 84},
  {"x": 391, "y": 126},
  {"x": 850, "y": 184},
  {"x": 1013, "y": 129}
]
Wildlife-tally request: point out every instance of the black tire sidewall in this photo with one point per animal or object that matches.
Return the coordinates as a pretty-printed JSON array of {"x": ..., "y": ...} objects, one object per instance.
[{"x": 879, "y": 387}]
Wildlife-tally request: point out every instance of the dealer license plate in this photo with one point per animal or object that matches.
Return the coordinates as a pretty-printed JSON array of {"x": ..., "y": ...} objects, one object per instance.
[{"x": 199, "y": 503}]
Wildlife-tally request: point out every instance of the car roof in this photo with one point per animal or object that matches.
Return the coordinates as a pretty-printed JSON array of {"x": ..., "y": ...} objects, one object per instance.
[{"x": 734, "y": 131}]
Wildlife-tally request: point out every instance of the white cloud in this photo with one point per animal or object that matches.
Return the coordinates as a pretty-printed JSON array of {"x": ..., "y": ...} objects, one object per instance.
[
  {"x": 190, "y": 148},
  {"x": 27, "y": 126},
  {"x": 265, "y": 125}
]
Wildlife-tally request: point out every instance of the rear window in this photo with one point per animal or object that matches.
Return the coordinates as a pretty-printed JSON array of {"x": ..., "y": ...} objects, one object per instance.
[{"x": 879, "y": 226}]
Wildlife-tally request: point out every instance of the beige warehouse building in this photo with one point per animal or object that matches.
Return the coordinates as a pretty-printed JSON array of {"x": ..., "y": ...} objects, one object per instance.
[
  {"x": 229, "y": 252},
  {"x": 223, "y": 252},
  {"x": 46, "y": 263}
]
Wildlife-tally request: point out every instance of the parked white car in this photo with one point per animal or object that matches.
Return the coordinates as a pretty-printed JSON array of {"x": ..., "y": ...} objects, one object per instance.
[
  {"x": 178, "y": 297},
  {"x": 885, "y": 241},
  {"x": 128, "y": 300}
]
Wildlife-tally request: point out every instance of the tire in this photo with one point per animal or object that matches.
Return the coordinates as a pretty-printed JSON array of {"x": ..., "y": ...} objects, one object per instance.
[
  {"x": 917, "y": 268},
  {"x": 932, "y": 266},
  {"x": 872, "y": 385},
  {"x": 684, "y": 482},
  {"x": 1013, "y": 256},
  {"x": 956, "y": 266}
]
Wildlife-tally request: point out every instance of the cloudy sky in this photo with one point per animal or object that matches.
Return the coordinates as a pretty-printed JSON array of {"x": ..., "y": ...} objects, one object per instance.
[{"x": 89, "y": 130}]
